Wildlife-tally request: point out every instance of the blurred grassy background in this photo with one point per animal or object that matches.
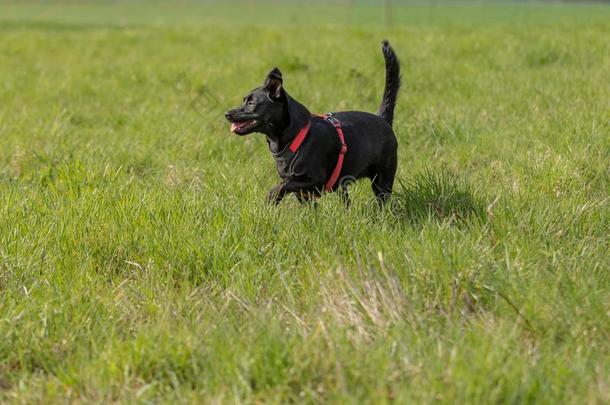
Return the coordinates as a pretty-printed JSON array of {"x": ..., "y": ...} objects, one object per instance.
[
  {"x": 139, "y": 264},
  {"x": 317, "y": 13}
]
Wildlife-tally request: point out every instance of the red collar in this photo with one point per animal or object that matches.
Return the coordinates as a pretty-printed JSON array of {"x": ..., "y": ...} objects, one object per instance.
[{"x": 300, "y": 138}]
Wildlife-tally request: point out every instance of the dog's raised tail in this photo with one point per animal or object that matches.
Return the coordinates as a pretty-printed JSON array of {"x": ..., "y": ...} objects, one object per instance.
[{"x": 392, "y": 84}]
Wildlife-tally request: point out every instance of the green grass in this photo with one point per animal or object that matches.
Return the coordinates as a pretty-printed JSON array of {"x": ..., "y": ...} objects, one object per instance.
[{"x": 138, "y": 261}]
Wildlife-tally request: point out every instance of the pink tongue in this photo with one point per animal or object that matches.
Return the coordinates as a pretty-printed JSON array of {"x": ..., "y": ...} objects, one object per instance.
[{"x": 234, "y": 127}]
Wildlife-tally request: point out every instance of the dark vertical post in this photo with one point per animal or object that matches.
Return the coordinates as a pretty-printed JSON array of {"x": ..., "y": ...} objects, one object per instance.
[
  {"x": 387, "y": 12},
  {"x": 349, "y": 6}
]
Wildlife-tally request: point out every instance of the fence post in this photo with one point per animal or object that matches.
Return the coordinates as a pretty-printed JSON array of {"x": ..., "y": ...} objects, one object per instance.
[{"x": 387, "y": 12}]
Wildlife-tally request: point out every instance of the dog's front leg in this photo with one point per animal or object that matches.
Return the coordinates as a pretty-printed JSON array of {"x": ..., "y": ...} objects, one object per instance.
[{"x": 277, "y": 193}]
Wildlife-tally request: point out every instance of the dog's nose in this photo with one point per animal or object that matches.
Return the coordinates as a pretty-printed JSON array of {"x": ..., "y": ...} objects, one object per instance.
[{"x": 227, "y": 115}]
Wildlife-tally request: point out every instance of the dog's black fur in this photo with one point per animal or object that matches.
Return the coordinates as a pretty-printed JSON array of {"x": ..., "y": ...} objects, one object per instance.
[{"x": 371, "y": 143}]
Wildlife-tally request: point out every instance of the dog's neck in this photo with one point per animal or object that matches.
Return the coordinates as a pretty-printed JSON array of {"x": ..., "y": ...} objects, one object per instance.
[{"x": 296, "y": 116}]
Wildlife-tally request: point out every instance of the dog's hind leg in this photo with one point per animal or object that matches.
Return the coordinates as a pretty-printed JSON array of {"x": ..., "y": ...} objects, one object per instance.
[
  {"x": 382, "y": 181},
  {"x": 382, "y": 187}
]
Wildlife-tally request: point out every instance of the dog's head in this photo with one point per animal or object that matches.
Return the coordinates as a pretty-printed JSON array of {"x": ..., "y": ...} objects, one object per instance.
[{"x": 263, "y": 109}]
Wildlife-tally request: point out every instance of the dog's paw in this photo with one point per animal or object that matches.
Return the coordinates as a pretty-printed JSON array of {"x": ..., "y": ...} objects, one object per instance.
[{"x": 275, "y": 195}]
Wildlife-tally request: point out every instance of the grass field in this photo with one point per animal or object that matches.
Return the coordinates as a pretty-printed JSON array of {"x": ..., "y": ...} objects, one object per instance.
[{"x": 139, "y": 263}]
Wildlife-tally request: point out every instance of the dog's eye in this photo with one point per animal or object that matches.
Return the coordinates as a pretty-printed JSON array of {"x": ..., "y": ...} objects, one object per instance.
[{"x": 250, "y": 103}]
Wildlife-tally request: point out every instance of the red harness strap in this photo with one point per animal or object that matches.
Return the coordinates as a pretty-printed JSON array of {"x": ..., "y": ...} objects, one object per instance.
[
  {"x": 298, "y": 140},
  {"x": 335, "y": 176}
]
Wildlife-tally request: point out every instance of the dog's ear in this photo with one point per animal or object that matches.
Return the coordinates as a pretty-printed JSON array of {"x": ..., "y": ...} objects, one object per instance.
[{"x": 274, "y": 82}]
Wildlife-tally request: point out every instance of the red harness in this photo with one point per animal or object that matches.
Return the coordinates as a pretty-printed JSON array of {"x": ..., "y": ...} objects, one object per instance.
[{"x": 300, "y": 138}]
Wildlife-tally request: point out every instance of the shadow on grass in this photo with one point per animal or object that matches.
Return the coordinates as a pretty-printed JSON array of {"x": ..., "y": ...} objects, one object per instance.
[{"x": 440, "y": 196}]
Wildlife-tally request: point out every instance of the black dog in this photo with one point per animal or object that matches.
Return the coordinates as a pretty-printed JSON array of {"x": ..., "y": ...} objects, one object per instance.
[{"x": 308, "y": 150}]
